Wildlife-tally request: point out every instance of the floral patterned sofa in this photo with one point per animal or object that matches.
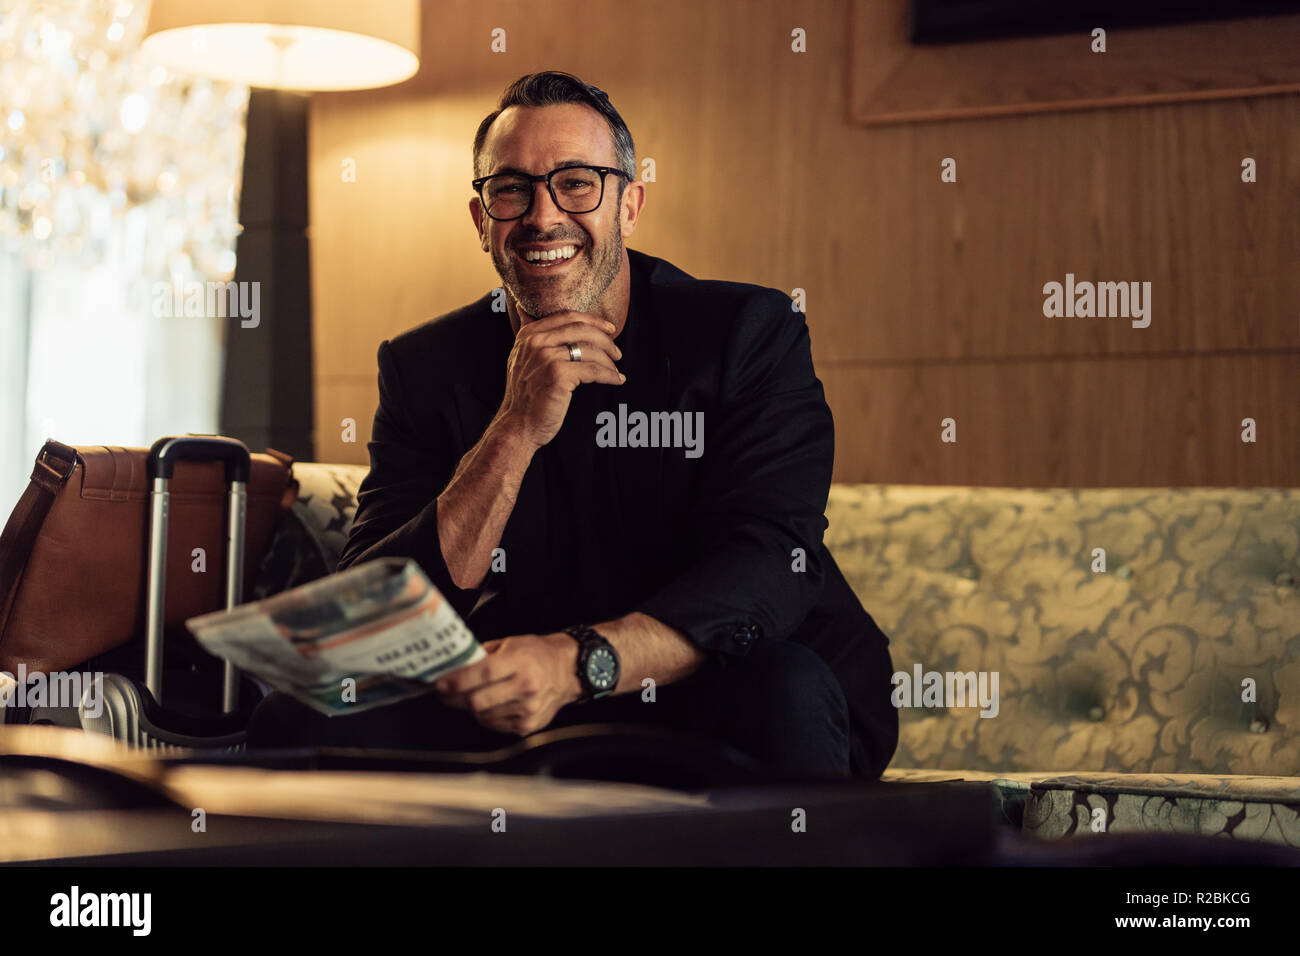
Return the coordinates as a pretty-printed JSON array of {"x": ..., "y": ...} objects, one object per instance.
[
  {"x": 1146, "y": 642},
  {"x": 1161, "y": 694}
]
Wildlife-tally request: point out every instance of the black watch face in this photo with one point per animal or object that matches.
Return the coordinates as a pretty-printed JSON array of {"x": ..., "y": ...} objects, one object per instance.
[{"x": 602, "y": 670}]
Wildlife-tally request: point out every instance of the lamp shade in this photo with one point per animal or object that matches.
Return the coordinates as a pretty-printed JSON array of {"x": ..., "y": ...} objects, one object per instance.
[{"x": 287, "y": 44}]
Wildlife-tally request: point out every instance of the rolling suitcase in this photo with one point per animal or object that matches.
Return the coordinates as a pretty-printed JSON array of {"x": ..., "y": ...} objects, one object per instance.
[{"x": 121, "y": 705}]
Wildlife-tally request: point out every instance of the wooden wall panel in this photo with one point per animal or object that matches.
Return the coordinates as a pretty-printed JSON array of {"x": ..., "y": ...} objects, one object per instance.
[
  {"x": 761, "y": 177},
  {"x": 895, "y": 82},
  {"x": 396, "y": 245},
  {"x": 1070, "y": 423},
  {"x": 1148, "y": 193},
  {"x": 340, "y": 397}
]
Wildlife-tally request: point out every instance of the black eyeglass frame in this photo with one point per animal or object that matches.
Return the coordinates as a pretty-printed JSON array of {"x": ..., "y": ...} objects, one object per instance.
[{"x": 604, "y": 171}]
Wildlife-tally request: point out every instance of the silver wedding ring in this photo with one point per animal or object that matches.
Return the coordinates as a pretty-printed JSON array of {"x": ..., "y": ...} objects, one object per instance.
[{"x": 575, "y": 353}]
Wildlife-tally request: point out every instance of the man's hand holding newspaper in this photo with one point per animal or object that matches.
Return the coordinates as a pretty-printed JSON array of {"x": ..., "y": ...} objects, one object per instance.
[{"x": 369, "y": 636}]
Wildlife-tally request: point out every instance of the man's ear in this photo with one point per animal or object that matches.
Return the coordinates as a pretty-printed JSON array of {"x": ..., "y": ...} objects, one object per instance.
[
  {"x": 631, "y": 206},
  {"x": 480, "y": 222}
]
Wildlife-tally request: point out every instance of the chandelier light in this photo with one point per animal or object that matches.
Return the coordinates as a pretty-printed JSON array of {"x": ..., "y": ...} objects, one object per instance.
[{"x": 90, "y": 131}]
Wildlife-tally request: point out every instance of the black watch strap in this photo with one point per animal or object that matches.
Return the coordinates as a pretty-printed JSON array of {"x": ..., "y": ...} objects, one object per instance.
[{"x": 589, "y": 640}]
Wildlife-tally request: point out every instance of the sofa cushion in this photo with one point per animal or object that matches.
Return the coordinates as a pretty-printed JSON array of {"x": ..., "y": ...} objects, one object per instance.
[
  {"x": 310, "y": 539},
  {"x": 1140, "y": 667},
  {"x": 1259, "y": 808},
  {"x": 1052, "y": 806}
]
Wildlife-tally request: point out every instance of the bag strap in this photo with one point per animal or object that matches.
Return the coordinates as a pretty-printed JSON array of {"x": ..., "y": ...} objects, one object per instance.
[
  {"x": 291, "y": 486},
  {"x": 281, "y": 457},
  {"x": 54, "y": 466}
]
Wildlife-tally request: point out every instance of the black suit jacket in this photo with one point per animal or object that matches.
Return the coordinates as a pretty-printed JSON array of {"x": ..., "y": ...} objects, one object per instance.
[{"x": 707, "y": 544}]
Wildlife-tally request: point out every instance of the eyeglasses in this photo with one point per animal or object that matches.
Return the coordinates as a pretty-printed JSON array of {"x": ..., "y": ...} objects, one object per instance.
[{"x": 575, "y": 189}]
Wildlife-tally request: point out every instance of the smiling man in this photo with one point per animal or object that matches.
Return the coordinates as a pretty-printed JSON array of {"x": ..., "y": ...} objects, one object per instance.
[{"x": 670, "y": 572}]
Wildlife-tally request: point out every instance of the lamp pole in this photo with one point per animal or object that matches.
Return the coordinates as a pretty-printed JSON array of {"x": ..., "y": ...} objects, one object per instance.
[{"x": 267, "y": 380}]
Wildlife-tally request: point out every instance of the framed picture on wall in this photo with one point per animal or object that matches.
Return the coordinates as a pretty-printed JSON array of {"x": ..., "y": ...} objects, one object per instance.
[
  {"x": 954, "y": 21},
  {"x": 1007, "y": 57}
]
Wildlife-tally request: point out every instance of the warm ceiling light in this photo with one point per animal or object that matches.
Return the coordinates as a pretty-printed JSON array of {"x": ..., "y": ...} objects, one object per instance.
[{"x": 287, "y": 44}]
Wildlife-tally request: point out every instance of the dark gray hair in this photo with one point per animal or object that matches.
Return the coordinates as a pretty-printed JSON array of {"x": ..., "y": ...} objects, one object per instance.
[{"x": 553, "y": 88}]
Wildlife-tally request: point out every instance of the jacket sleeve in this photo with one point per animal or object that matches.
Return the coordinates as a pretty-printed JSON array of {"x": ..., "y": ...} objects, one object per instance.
[
  {"x": 397, "y": 504},
  {"x": 760, "y": 512}
]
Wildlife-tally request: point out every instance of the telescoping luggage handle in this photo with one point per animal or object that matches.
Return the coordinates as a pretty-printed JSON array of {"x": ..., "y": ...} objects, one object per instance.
[{"x": 163, "y": 456}]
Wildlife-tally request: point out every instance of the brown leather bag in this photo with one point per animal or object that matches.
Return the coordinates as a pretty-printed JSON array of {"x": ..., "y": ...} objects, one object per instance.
[{"x": 74, "y": 553}]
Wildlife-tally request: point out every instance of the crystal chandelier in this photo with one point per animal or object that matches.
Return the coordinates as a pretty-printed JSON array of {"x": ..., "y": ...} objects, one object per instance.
[{"x": 90, "y": 131}]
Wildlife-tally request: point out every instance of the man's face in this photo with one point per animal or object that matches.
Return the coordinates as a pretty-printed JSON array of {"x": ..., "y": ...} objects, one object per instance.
[{"x": 535, "y": 141}]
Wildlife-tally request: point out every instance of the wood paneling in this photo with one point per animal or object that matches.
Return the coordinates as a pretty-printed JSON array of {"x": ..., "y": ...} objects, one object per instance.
[
  {"x": 1149, "y": 193},
  {"x": 340, "y": 397},
  {"x": 1069, "y": 423},
  {"x": 893, "y": 81},
  {"x": 914, "y": 286},
  {"x": 395, "y": 246}
]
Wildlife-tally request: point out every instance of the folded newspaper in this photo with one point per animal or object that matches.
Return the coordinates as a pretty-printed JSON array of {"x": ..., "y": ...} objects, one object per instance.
[{"x": 368, "y": 636}]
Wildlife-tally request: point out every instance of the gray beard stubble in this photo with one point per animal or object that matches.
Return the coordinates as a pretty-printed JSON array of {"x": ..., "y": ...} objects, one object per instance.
[{"x": 605, "y": 265}]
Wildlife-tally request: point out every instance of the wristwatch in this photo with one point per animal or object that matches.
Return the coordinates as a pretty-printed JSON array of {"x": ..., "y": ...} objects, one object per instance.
[{"x": 598, "y": 668}]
